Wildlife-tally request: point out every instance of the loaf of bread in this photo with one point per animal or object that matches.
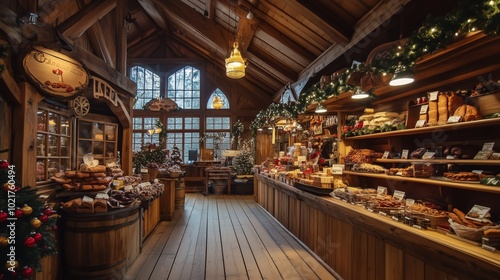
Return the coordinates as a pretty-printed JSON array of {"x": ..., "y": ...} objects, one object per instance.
[
  {"x": 454, "y": 101},
  {"x": 467, "y": 113},
  {"x": 433, "y": 117},
  {"x": 442, "y": 108}
]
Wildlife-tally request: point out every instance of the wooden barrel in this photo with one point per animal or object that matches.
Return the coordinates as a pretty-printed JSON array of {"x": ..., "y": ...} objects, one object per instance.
[
  {"x": 180, "y": 193},
  {"x": 101, "y": 245}
]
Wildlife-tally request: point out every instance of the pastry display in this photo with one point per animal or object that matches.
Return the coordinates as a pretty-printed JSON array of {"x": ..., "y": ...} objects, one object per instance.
[
  {"x": 467, "y": 113},
  {"x": 462, "y": 176},
  {"x": 367, "y": 167}
]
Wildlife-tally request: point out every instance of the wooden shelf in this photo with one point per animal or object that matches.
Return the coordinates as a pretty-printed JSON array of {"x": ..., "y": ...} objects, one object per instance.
[
  {"x": 442, "y": 161},
  {"x": 428, "y": 129},
  {"x": 430, "y": 181}
]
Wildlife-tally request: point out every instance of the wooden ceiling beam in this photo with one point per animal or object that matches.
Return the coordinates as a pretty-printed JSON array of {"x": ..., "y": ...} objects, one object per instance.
[
  {"x": 374, "y": 19},
  {"x": 152, "y": 10},
  {"x": 316, "y": 16},
  {"x": 76, "y": 25},
  {"x": 121, "y": 36},
  {"x": 277, "y": 64},
  {"x": 48, "y": 12},
  {"x": 144, "y": 34},
  {"x": 98, "y": 41}
]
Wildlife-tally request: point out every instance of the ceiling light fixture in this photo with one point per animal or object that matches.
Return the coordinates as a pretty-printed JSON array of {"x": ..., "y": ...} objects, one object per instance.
[
  {"x": 360, "y": 94},
  {"x": 402, "y": 76},
  {"x": 218, "y": 102},
  {"x": 250, "y": 15},
  {"x": 235, "y": 64},
  {"x": 320, "y": 109}
]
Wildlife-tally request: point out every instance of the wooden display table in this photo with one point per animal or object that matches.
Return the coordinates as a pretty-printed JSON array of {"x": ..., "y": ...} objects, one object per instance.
[{"x": 195, "y": 174}]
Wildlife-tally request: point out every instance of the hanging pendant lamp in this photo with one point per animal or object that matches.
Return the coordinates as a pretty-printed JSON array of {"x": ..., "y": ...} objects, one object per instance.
[{"x": 235, "y": 64}]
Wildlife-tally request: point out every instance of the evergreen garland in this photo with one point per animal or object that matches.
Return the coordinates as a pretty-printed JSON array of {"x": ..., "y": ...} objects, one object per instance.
[{"x": 435, "y": 34}]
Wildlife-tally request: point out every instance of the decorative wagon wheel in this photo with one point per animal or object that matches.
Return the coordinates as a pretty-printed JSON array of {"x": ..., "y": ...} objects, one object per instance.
[{"x": 81, "y": 105}]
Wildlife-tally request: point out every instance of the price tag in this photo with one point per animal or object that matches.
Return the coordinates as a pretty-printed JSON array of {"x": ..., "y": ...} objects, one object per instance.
[
  {"x": 484, "y": 154},
  {"x": 417, "y": 226},
  {"x": 488, "y": 146},
  {"x": 477, "y": 171},
  {"x": 404, "y": 154},
  {"x": 381, "y": 191},
  {"x": 489, "y": 248},
  {"x": 433, "y": 95},
  {"x": 395, "y": 218},
  {"x": 410, "y": 202},
  {"x": 336, "y": 197},
  {"x": 420, "y": 123},
  {"x": 382, "y": 213},
  {"x": 428, "y": 155},
  {"x": 454, "y": 119},
  {"x": 423, "y": 109},
  {"x": 144, "y": 170},
  {"x": 398, "y": 195},
  {"x": 337, "y": 169},
  {"x": 371, "y": 210},
  {"x": 385, "y": 155}
]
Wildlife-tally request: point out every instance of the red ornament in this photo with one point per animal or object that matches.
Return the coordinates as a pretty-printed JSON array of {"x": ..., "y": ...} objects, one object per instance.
[
  {"x": 43, "y": 218},
  {"x": 27, "y": 271},
  {"x": 55, "y": 228},
  {"x": 3, "y": 216},
  {"x": 48, "y": 211},
  {"x": 29, "y": 242},
  {"x": 18, "y": 213},
  {"x": 4, "y": 164},
  {"x": 38, "y": 237},
  {"x": 1, "y": 276}
]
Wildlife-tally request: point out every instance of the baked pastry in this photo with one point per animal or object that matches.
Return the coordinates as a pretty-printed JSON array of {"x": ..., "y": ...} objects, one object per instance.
[
  {"x": 418, "y": 153},
  {"x": 100, "y": 205},
  {"x": 467, "y": 113}
]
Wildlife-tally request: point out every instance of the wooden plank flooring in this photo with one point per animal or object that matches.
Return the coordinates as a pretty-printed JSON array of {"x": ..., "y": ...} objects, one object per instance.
[{"x": 224, "y": 237}]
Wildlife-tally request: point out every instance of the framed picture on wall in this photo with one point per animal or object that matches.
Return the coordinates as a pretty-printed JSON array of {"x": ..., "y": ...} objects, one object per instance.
[{"x": 318, "y": 129}]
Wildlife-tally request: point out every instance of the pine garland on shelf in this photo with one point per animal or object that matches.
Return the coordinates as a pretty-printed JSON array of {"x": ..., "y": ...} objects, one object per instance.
[{"x": 435, "y": 34}]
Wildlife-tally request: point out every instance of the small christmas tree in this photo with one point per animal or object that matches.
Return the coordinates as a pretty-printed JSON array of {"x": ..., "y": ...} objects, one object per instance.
[
  {"x": 26, "y": 227},
  {"x": 243, "y": 164},
  {"x": 175, "y": 156}
]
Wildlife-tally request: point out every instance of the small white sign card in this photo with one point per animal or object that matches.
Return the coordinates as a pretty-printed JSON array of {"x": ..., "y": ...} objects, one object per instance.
[
  {"x": 488, "y": 146},
  {"x": 428, "y": 155},
  {"x": 454, "y": 119},
  {"x": 420, "y": 123},
  {"x": 385, "y": 155},
  {"x": 477, "y": 212},
  {"x": 433, "y": 95},
  {"x": 404, "y": 154},
  {"x": 423, "y": 109},
  {"x": 381, "y": 191},
  {"x": 398, "y": 195}
]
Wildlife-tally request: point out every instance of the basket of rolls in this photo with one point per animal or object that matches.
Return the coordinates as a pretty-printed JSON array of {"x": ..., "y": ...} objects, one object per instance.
[{"x": 469, "y": 229}]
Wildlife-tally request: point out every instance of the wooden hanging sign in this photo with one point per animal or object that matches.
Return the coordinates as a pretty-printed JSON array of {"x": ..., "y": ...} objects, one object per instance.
[{"x": 54, "y": 73}]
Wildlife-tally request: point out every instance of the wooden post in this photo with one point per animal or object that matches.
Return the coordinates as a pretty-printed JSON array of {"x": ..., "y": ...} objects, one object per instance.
[{"x": 24, "y": 125}]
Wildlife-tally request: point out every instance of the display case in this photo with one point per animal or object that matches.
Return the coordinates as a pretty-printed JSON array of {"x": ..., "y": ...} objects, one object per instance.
[
  {"x": 98, "y": 138},
  {"x": 53, "y": 148}
]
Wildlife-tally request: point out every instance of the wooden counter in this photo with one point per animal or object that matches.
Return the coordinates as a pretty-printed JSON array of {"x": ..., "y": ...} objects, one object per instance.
[{"x": 359, "y": 244}]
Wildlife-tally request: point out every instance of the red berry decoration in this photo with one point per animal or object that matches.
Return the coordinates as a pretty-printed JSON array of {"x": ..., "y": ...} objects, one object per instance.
[
  {"x": 1, "y": 276},
  {"x": 48, "y": 211},
  {"x": 27, "y": 271},
  {"x": 3, "y": 216},
  {"x": 18, "y": 213},
  {"x": 43, "y": 218},
  {"x": 29, "y": 242},
  {"x": 4, "y": 164},
  {"x": 38, "y": 237}
]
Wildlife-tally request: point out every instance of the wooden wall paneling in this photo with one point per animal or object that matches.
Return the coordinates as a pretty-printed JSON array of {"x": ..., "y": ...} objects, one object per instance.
[
  {"x": 264, "y": 148},
  {"x": 293, "y": 216},
  {"x": 347, "y": 243},
  {"x": 121, "y": 36},
  {"x": 359, "y": 255},
  {"x": 321, "y": 241},
  {"x": 431, "y": 272},
  {"x": 393, "y": 262},
  {"x": 283, "y": 209},
  {"x": 414, "y": 268}
]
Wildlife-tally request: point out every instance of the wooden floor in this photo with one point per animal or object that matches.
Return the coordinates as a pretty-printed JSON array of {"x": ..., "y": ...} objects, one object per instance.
[{"x": 224, "y": 237}]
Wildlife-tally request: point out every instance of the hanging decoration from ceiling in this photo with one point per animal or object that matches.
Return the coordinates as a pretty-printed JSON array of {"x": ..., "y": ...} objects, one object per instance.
[
  {"x": 435, "y": 34},
  {"x": 235, "y": 64},
  {"x": 161, "y": 104}
]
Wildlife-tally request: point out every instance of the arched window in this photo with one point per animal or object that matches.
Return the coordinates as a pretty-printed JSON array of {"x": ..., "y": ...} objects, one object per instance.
[
  {"x": 148, "y": 85},
  {"x": 222, "y": 96},
  {"x": 184, "y": 88}
]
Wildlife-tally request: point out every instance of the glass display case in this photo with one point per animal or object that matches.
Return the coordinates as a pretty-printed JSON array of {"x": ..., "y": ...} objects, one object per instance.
[
  {"x": 98, "y": 138},
  {"x": 53, "y": 147}
]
